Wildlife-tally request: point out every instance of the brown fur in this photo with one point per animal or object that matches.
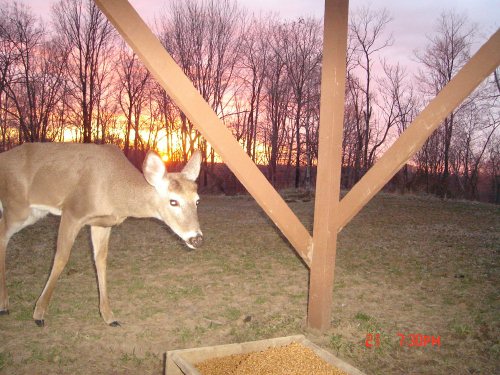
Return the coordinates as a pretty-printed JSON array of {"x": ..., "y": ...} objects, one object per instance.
[{"x": 92, "y": 185}]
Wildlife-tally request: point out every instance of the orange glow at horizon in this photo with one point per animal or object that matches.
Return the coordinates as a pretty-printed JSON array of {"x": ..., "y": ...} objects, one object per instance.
[
  {"x": 166, "y": 145},
  {"x": 70, "y": 134},
  {"x": 162, "y": 145}
]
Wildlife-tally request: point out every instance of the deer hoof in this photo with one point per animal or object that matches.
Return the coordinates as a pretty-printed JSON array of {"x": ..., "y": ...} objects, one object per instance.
[
  {"x": 115, "y": 324},
  {"x": 40, "y": 322},
  {"x": 4, "y": 312}
]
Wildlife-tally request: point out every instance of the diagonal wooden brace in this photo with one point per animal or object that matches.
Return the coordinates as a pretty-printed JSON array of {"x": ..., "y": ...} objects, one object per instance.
[
  {"x": 161, "y": 65},
  {"x": 483, "y": 63}
]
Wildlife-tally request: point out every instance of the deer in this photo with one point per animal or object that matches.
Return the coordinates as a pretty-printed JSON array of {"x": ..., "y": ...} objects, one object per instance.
[{"x": 94, "y": 185}]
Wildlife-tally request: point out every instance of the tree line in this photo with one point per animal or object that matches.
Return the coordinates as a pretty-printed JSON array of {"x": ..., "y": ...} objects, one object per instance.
[{"x": 70, "y": 77}]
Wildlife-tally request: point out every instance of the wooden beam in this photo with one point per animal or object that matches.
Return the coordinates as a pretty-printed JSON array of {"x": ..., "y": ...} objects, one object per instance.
[
  {"x": 483, "y": 63},
  {"x": 161, "y": 65},
  {"x": 326, "y": 208}
]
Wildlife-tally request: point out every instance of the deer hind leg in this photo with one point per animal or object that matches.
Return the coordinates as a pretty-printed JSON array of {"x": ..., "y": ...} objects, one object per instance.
[
  {"x": 68, "y": 230},
  {"x": 100, "y": 241}
]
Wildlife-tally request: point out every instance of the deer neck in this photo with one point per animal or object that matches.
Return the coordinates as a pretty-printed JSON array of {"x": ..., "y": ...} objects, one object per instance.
[{"x": 136, "y": 199}]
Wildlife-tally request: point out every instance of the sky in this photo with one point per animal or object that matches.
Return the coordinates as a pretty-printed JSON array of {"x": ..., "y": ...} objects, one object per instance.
[{"x": 412, "y": 20}]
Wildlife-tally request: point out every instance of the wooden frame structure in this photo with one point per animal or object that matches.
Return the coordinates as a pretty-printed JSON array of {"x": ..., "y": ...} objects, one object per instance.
[{"x": 331, "y": 213}]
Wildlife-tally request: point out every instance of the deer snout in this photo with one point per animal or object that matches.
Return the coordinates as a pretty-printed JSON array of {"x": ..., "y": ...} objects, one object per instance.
[{"x": 195, "y": 242}]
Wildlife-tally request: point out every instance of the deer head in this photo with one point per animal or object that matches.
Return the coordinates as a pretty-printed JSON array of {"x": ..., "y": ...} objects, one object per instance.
[{"x": 177, "y": 196}]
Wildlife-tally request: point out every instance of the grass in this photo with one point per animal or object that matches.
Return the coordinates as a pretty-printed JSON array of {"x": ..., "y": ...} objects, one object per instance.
[
  {"x": 405, "y": 265},
  {"x": 5, "y": 360}
]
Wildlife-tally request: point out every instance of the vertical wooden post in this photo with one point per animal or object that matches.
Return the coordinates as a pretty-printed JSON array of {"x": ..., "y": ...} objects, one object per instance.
[
  {"x": 330, "y": 214},
  {"x": 329, "y": 164}
]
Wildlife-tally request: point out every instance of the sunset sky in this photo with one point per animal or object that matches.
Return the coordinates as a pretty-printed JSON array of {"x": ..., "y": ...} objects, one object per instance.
[{"x": 412, "y": 21}]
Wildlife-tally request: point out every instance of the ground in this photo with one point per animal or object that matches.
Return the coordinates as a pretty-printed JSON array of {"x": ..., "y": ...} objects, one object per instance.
[{"x": 405, "y": 265}]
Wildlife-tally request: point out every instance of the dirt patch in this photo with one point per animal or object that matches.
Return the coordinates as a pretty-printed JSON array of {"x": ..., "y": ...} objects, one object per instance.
[{"x": 405, "y": 265}]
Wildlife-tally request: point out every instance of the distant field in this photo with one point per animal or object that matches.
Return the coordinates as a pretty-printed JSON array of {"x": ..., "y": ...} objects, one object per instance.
[{"x": 406, "y": 265}]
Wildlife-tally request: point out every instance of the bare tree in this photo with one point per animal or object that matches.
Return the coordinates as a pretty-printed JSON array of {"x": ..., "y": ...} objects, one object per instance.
[
  {"x": 496, "y": 80},
  {"x": 302, "y": 44},
  {"x": 36, "y": 73},
  {"x": 8, "y": 56},
  {"x": 255, "y": 55},
  {"x": 204, "y": 39},
  {"x": 311, "y": 125},
  {"x": 132, "y": 85},
  {"x": 367, "y": 28},
  {"x": 352, "y": 144},
  {"x": 492, "y": 167},
  {"x": 276, "y": 102},
  {"x": 399, "y": 107},
  {"x": 169, "y": 115},
  {"x": 448, "y": 50},
  {"x": 467, "y": 152},
  {"x": 88, "y": 35},
  {"x": 477, "y": 123}
]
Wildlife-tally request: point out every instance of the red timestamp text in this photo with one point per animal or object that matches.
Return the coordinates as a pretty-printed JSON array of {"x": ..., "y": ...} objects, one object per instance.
[
  {"x": 417, "y": 339},
  {"x": 410, "y": 340}
]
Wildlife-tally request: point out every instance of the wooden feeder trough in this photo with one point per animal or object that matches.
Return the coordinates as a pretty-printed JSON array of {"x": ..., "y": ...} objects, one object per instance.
[{"x": 183, "y": 362}]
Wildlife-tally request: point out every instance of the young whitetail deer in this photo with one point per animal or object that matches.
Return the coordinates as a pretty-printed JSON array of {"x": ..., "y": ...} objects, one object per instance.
[{"x": 94, "y": 185}]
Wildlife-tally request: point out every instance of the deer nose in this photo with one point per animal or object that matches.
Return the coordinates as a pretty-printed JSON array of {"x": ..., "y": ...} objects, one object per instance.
[{"x": 196, "y": 241}]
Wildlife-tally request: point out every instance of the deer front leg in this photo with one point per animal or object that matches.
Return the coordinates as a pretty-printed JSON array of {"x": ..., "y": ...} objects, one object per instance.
[
  {"x": 4, "y": 298},
  {"x": 100, "y": 241},
  {"x": 7, "y": 229},
  {"x": 68, "y": 230}
]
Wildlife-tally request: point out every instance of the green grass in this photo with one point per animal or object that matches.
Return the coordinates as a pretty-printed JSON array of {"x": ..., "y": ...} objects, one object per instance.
[
  {"x": 405, "y": 264},
  {"x": 176, "y": 293},
  {"x": 231, "y": 313},
  {"x": 5, "y": 359},
  {"x": 339, "y": 344}
]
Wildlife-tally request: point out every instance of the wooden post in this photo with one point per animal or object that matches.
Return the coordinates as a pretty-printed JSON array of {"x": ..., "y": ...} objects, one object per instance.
[
  {"x": 330, "y": 214},
  {"x": 329, "y": 164}
]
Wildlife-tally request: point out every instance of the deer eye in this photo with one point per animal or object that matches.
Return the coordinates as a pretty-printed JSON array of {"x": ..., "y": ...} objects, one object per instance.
[
  {"x": 174, "y": 203},
  {"x": 197, "y": 202}
]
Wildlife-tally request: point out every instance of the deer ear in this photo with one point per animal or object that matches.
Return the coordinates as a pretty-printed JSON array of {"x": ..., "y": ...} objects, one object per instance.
[
  {"x": 192, "y": 168},
  {"x": 153, "y": 169}
]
